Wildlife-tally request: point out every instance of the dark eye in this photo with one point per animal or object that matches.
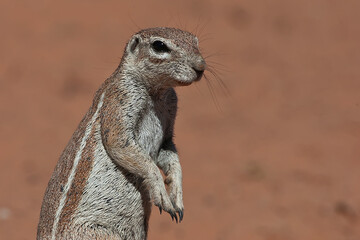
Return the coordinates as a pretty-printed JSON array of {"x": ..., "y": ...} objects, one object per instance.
[{"x": 159, "y": 46}]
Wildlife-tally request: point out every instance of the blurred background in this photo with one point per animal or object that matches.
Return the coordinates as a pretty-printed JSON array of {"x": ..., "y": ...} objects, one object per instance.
[{"x": 274, "y": 157}]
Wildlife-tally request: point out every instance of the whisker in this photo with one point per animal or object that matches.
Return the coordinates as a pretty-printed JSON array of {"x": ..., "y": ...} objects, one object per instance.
[
  {"x": 205, "y": 37},
  {"x": 216, "y": 63},
  {"x": 216, "y": 54},
  {"x": 219, "y": 80},
  {"x": 202, "y": 28},
  {"x": 134, "y": 23},
  {"x": 212, "y": 93},
  {"x": 198, "y": 89},
  {"x": 202, "y": 40},
  {"x": 195, "y": 29},
  {"x": 219, "y": 67}
]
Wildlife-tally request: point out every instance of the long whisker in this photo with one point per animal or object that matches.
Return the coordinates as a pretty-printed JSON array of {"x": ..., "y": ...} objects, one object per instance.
[
  {"x": 134, "y": 23},
  {"x": 195, "y": 29},
  {"x": 218, "y": 64},
  {"x": 202, "y": 28},
  {"x": 219, "y": 80},
  {"x": 198, "y": 89},
  {"x": 205, "y": 37},
  {"x": 217, "y": 67},
  {"x": 212, "y": 93},
  {"x": 216, "y": 54}
]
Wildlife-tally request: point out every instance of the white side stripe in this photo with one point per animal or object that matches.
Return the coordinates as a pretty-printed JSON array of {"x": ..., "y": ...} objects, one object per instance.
[{"x": 73, "y": 169}]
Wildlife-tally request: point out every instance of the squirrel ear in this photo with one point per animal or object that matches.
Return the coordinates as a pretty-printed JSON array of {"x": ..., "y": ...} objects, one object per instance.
[{"x": 133, "y": 43}]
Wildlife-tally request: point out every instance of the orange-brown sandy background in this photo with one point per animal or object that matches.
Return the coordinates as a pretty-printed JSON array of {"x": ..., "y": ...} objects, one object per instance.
[{"x": 275, "y": 158}]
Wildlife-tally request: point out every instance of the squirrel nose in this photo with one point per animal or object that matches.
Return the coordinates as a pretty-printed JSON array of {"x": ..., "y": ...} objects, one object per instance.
[{"x": 199, "y": 67}]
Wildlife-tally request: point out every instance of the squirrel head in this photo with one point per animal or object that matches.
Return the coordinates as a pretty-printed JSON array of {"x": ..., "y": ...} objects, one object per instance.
[{"x": 164, "y": 57}]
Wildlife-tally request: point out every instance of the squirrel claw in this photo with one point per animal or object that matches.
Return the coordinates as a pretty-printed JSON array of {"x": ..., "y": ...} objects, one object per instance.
[
  {"x": 181, "y": 215},
  {"x": 173, "y": 215},
  {"x": 176, "y": 218}
]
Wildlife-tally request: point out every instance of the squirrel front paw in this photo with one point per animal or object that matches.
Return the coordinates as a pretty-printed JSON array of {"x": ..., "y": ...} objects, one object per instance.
[
  {"x": 161, "y": 199},
  {"x": 176, "y": 195}
]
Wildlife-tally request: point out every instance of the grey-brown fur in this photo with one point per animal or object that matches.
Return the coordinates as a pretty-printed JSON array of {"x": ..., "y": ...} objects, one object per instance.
[{"x": 108, "y": 175}]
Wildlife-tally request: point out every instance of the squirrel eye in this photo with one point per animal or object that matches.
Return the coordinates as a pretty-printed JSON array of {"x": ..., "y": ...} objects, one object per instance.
[{"x": 159, "y": 46}]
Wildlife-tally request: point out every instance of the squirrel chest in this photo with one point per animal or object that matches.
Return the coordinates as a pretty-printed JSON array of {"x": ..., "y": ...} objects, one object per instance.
[{"x": 151, "y": 127}]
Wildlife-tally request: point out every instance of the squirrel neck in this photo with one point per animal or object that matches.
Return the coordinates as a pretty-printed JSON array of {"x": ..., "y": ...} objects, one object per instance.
[{"x": 129, "y": 75}]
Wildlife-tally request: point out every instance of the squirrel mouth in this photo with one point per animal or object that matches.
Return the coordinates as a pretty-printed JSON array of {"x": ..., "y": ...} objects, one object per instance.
[
  {"x": 180, "y": 83},
  {"x": 199, "y": 74}
]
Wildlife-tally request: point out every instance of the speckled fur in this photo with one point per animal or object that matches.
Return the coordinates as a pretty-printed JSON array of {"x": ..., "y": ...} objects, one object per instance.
[{"x": 109, "y": 173}]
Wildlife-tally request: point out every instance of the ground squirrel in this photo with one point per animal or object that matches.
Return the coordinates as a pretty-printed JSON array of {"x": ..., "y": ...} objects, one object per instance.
[{"x": 108, "y": 175}]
